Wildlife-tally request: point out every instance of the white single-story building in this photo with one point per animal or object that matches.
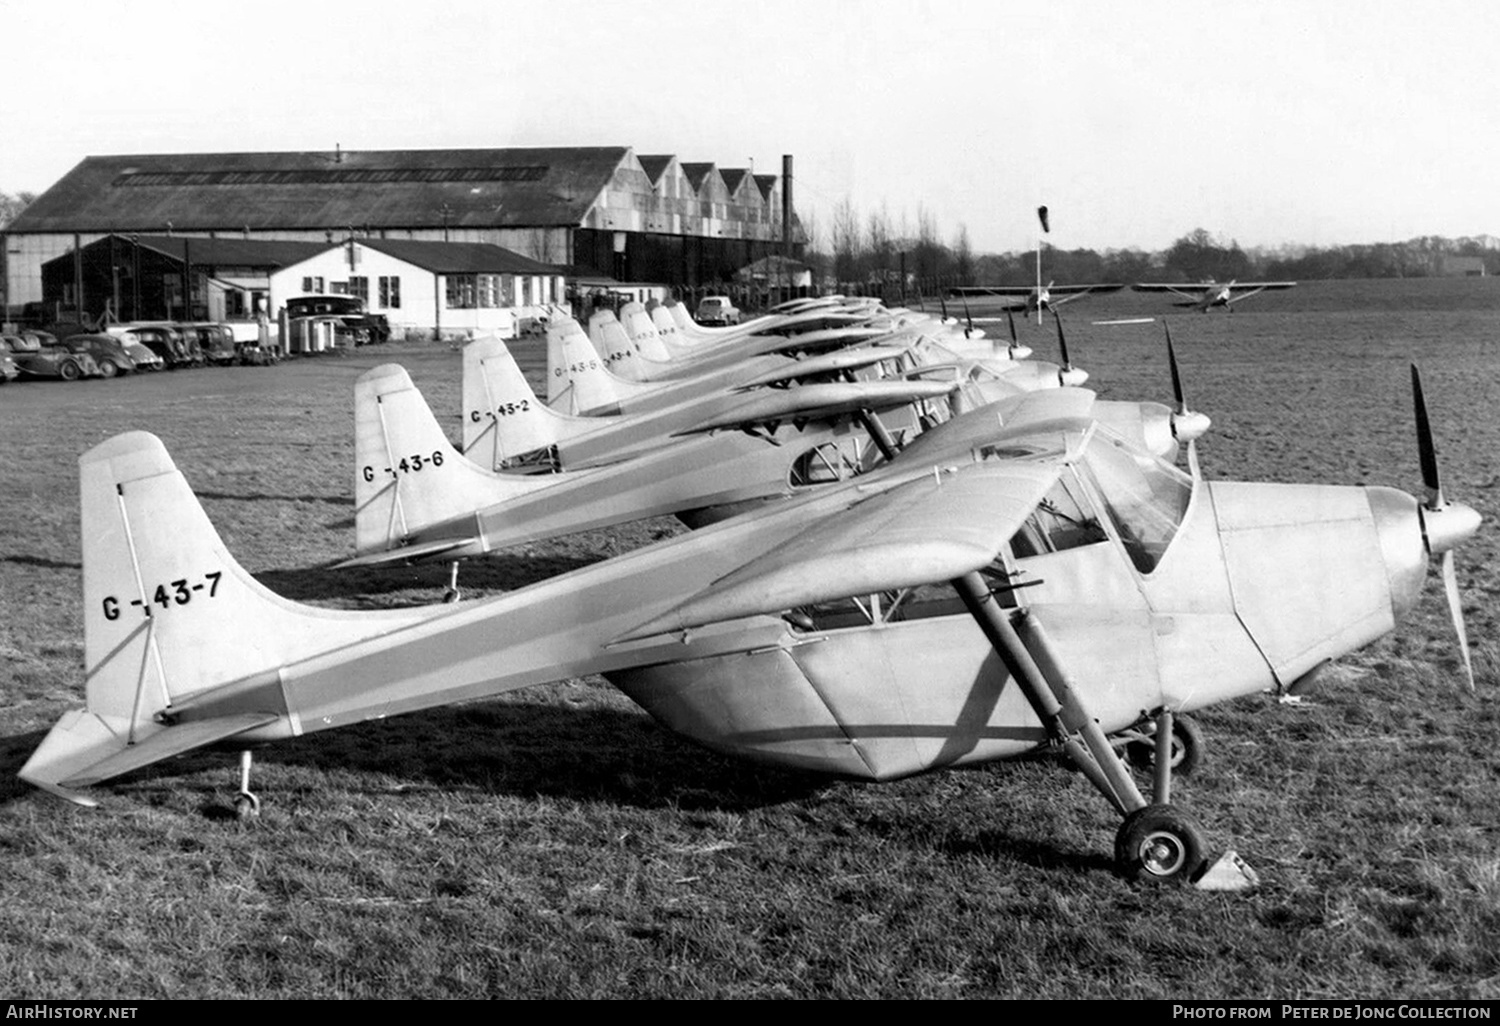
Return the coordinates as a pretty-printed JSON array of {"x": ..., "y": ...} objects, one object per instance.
[{"x": 442, "y": 289}]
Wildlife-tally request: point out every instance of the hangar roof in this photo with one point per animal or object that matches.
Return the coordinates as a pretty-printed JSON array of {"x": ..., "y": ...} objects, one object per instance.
[
  {"x": 496, "y": 188},
  {"x": 459, "y": 257}
]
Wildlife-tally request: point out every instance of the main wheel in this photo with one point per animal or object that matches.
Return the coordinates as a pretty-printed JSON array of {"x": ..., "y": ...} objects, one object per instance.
[
  {"x": 1187, "y": 748},
  {"x": 69, "y": 371},
  {"x": 1158, "y": 843}
]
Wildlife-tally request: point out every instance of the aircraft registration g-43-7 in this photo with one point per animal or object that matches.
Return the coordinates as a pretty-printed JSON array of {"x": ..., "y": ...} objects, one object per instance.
[
  {"x": 1053, "y": 586},
  {"x": 1204, "y": 296}
]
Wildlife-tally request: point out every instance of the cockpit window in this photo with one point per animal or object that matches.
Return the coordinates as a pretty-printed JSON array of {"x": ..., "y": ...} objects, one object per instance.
[
  {"x": 1143, "y": 497},
  {"x": 1063, "y": 520},
  {"x": 825, "y": 464}
]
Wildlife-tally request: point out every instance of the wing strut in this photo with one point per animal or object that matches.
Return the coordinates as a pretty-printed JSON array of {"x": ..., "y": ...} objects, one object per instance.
[{"x": 1035, "y": 668}]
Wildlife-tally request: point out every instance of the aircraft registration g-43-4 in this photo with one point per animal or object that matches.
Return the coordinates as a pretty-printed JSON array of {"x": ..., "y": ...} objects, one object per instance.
[
  {"x": 1204, "y": 296},
  {"x": 1048, "y": 585}
]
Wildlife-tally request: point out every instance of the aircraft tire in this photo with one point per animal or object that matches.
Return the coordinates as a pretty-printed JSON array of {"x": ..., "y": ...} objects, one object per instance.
[
  {"x": 1187, "y": 748},
  {"x": 1158, "y": 844}
]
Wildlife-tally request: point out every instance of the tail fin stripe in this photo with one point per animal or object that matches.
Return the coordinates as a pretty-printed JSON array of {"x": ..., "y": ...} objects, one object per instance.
[
  {"x": 149, "y": 650},
  {"x": 397, "y": 513}
]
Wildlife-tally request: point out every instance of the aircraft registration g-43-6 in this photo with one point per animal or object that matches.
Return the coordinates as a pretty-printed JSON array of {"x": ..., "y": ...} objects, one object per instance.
[
  {"x": 1204, "y": 296},
  {"x": 1053, "y": 586}
]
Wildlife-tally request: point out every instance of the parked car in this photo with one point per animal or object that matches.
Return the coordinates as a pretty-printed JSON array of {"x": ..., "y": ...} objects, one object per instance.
[
  {"x": 717, "y": 310},
  {"x": 362, "y": 326},
  {"x": 8, "y": 369},
  {"x": 164, "y": 342},
  {"x": 109, "y": 352},
  {"x": 215, "y": 341},
  {"x": 36, "y": 360}
]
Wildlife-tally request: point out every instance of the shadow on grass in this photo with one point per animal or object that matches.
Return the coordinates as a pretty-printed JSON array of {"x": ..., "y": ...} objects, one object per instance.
[
  {"x": 476, "y": 578},
  {"x": 331, "y": 500},
  {"x": 38, "y": 561},
  {"x": 518, "y": 748}
]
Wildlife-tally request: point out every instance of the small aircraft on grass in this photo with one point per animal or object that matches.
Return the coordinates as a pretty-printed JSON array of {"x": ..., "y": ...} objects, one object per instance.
[
  {"x": 1204, "y": 296},
  {"x": 1053, "y": 587},
  {"x": 1035, "y": 298}
]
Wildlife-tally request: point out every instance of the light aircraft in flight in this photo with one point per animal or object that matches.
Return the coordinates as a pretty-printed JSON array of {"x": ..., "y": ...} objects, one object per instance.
[
  {"x": 1204, "y": 296},
  {"x": 1053, "y": 587}
]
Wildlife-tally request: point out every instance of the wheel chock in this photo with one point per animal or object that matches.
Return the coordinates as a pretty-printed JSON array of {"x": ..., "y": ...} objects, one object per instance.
[{"x": 1229, "y": 873}]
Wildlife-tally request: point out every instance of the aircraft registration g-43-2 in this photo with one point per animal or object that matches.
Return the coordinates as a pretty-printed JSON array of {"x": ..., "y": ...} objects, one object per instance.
[
  {"x": 1204, "y": 296},
  {"x": 1052, "y": 586}
]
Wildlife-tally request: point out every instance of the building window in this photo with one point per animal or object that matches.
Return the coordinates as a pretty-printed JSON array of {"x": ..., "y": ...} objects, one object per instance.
[
  {"x": 461, "y": 291},
  {"x": 360, "y": 286},
  {"x": 312, "y": 286},
  {"x": 390, "y": 292}
]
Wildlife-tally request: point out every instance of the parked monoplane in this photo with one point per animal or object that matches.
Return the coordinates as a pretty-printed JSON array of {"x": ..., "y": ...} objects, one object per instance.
[{"x": 1055, "y": 586}]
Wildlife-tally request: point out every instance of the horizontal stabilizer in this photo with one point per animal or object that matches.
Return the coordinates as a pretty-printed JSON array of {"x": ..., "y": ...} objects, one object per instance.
[
  {"x": 407, "y": 553},
  {"x": 930, "y": 529},
  {"x": 167, "y": 742}
]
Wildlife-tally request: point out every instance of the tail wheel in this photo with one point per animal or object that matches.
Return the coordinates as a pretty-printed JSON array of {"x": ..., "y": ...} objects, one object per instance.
[
  {"x": 69, "y": 371},
  {"x": 1158, "y": 843},
  {"x": 1187, "y": 748}
]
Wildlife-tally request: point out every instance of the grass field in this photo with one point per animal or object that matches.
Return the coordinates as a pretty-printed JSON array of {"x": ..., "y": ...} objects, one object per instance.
[{"x": 557, "y": 843}]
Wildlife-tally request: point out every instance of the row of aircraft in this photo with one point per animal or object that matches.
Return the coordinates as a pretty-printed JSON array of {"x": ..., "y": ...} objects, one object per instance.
[{"x": 914, "y": 548}]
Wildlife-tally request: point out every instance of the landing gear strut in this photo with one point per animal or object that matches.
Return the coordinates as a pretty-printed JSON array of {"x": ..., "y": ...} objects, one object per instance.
[
  {"x": 1156, "y": 842},
  {"x": 451, "y": 593}
]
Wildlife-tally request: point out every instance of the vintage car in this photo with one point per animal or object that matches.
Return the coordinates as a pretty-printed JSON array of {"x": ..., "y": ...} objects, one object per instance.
[
  {"x": 359, "y": 326},
  {"x": 109, "y": 353},
  {"x": 37, "y": 360},
  {"x": 214, "y": 341},
  {"x": 8, "y": 369},
  {"x": 168, "y": 348},
  {"x": 717, "y": 310}
]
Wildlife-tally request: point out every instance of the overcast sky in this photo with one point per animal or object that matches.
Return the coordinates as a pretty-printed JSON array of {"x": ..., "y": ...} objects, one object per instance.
[{"x": 1314, "y": 121}]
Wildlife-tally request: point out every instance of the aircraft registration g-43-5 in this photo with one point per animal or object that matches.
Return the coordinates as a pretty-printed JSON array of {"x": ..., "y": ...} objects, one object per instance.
[
  {"x": 1052, "y": 586},
  {"x": 1204, "y": 296}
]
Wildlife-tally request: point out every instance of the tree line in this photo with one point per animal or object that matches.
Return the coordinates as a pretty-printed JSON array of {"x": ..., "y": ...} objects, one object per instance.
[{"x": 874, "y": 251}]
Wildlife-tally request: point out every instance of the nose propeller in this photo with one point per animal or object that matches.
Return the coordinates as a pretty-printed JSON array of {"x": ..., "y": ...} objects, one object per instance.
[
  {"x": 1187, "y": 425},
  {"x": 1069, "y": 375},
  {"x": 1445, "y": 525}
]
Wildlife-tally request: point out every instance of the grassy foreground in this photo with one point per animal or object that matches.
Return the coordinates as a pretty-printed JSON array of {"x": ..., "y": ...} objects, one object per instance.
[{"x": 557, "y": 843}]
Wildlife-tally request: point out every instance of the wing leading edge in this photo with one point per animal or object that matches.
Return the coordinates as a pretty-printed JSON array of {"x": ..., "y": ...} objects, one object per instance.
[{"x": 928, "y": 529}]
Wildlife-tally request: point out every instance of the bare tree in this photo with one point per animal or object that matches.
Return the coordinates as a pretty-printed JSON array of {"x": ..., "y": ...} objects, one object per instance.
[{"x": 10, "y": 205}]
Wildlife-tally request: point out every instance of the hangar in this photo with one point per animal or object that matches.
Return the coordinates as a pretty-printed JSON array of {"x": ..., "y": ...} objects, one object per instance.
[{"x": 643, "y": 218}]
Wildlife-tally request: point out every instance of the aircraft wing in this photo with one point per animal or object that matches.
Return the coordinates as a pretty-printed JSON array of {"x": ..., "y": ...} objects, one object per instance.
[
  {"x": 1193, "y": 291},
  {"x": 1060, "y": 294},
  {"x": 827, "y": 363},
  {"x": 816, "y": 402},
  {"x": 960, "y": 291},
  {"x": 928, "y": 529},
  {"x": 1246, "y": 289}
]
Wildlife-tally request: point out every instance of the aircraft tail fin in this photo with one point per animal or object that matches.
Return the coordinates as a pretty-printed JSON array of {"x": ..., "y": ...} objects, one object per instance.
[
  {"x": 410, "y": 482},
  {"x": 503, "y": 418},
  {"x": 168, "y": 615},
  {"x": 642, "y": 332},
  {"x": 577, "y": 380},
  {"x": 620, "y": 355}
]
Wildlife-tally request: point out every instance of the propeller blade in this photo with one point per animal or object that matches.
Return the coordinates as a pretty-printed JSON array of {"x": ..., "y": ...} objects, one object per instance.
[
  {"x": 1426, "y": 450},
  {"x": 968, "y": 316},
  {"x": 1456, "y": 612},
  {"x": 1010, "y": 319},
  {"x": 1062, "y": 342},
  {"x": 1176, "y": 374}
]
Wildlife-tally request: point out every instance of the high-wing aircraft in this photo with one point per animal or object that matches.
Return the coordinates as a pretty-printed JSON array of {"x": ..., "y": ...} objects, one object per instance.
[
  {"x": 1204, "y": 296},
  {"x": 1035, "y": 298},
  {"x": 1054, "y": 586}
]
